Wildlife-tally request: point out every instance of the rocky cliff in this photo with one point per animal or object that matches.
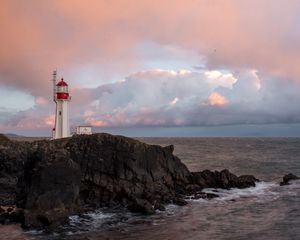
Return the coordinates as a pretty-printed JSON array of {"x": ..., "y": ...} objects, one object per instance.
[
  {"x": 13, "y": 156},
  {"x": 49, "y": 180}
]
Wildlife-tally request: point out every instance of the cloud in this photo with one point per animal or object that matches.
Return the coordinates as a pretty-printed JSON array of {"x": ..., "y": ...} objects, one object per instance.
[
  {"x": 173, "y": 98},
  {"x": 38, "y": 36},
  {"x": 41, "y": 101},
  {"x": 174, "y": 101},
  {"x": 216, "y": 99},
  {"x": 185, "y": 98}
]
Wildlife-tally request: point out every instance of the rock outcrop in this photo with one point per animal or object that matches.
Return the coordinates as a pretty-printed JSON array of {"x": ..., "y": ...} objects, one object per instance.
[
  {"x": 62, "y": 177},
  {"x": 287, "y": 178},
  {"x": 50, "y": 189},
  {"x": 223, "y": 179},
  {"x": 13, "y": 156}
]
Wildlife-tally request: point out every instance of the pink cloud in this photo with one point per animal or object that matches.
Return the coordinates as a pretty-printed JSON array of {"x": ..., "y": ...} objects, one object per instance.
[
  {"x": 96, "y": 123},
  {"x": 49, "y": 120},
  {"x": 38, "y": 37},
  {"x": 216, "y": 99},
  {"x": 41, "y": 101}
]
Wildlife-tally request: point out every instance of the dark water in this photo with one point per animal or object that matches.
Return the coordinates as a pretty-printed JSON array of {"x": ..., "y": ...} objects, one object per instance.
[{"x": 266, "y": 211}]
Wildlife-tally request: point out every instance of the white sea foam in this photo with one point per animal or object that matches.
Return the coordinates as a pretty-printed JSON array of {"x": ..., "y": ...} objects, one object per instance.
[
  {"x": 87, "y": 222},
  {"x": 263, "y": 191},
  {"x": 293, "y": 189},
  {"x": 171, "y": 209},
  {"x": 34, "y": 232},
  {"x": 96, "y": 218}
]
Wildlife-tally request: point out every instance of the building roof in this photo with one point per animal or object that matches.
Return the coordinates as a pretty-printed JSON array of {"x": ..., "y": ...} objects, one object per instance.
[{"x": 62, "y": 83}]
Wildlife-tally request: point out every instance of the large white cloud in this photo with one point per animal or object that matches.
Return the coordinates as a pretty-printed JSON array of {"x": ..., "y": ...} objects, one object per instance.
[
  {"x": 174, "y": 98},
  {"x": 183, "y": 97}
]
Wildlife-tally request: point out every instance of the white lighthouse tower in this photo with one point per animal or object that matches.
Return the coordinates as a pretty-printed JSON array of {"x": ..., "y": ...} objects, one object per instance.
[{"x": 62, "y": 98}]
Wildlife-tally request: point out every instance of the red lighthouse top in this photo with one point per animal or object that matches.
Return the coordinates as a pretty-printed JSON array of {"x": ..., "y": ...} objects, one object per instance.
[
  {"x": 61, "y": 83},
  {"x": 62, "y": 92}
]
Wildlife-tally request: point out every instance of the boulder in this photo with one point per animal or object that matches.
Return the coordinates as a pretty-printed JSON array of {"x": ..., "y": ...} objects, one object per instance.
[
  {"x": 159, "y": 206},
  {"x": 246, "y": 181},
  {"x": 179, "y": 201},
  {"x": 287, "y": 178},
  {"x": 141, "y": 206}
]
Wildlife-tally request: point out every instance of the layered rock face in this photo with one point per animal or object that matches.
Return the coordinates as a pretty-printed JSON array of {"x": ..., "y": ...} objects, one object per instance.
[
  {"x": 62, "y": 177},
  {"x": 13, "y": 156},
  {"x": 49, "y": 189}
]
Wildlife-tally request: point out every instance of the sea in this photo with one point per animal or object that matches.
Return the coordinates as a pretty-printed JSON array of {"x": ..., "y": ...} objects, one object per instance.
[{"x": 267, "y": 211}]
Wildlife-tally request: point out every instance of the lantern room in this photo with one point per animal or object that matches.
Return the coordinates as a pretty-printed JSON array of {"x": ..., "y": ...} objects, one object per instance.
[{"x": 62, "y": 92}]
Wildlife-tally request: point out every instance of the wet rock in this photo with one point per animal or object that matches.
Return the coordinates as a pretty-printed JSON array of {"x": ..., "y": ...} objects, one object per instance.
[
  {"x": 179, "y": 201},
  {"x": 141, "y": 206},
  {"x": 246, "y": 181},
  {"x": 287, "y": 178},
  {"x": 223, "y": 179},
  {"x": 192, "y": 188},
  {"x": 159, "y": 206},
  {"x": 203, "y": 195},
  {"x": 211, "y": 195},
  {"x": 10, "y": 215}
]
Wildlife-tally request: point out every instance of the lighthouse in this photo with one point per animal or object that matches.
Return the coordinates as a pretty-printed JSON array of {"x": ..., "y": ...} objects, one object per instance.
[{"x": 61, "y": 98}]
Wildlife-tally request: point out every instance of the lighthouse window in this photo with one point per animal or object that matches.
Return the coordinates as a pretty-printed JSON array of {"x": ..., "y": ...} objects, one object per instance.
[
  {"x": 62, "y": 89},
  {"x": 60, "y": 113}
]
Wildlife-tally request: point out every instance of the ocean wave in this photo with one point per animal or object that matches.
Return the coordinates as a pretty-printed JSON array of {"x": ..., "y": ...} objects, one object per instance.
[
  {"x": 88, "y": 221},
  {"x": 263, "y": 191},
  {"x": 96, "y": 217}
]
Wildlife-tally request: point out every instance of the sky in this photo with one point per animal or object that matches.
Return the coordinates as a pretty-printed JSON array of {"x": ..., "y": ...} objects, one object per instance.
[{"x": 153, "y": 68}]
